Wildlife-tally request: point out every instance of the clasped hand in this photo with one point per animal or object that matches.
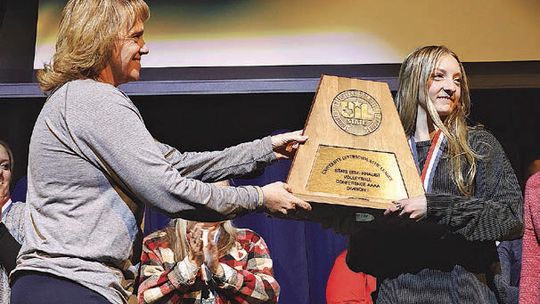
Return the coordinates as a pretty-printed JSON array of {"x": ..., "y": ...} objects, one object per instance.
[{"x": 197, "y": 251}]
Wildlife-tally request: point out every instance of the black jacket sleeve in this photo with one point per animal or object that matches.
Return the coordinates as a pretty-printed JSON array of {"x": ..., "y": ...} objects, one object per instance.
[
  {"x": 495, "y": 212},
  {"x": 9, "y": 249}
]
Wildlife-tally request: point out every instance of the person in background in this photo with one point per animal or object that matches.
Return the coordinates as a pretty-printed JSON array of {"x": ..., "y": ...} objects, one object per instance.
[
  {"x": 510, "y": 252},
  {"x": 6, "y": 171},
  {"x": 194, "y": 262},
  {"x": 510, "y": 257},
  {"x": 443, "y": 250},
  {"x": 11, "y": 222},
  {"x": 93, "y": 165},
  {"x": 235, "y": 266},
  {"x": 345, "y": 286},
  {"x": 529, "y": 283},
  {"x": 533, "y": 168}
]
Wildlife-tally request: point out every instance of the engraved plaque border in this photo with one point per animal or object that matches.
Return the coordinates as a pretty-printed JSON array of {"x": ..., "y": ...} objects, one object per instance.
[{"x": 356, "y": 149}]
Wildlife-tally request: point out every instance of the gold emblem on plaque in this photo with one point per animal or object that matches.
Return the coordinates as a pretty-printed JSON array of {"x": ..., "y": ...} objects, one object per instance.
[
  {"x": 356, "y": 173},
  {"x": 356, "y": 112}
]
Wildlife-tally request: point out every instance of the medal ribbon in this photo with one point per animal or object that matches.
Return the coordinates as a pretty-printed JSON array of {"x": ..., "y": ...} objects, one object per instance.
[
  {"x": 6, "y": 207},
  {"x": 432, "y": 160}
]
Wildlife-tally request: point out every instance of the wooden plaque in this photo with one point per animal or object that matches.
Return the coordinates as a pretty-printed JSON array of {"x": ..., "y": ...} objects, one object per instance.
[{"x": 357, "y": 153}]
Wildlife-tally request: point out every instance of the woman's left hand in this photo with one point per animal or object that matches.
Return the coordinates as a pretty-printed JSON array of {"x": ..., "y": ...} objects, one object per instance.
[
  {"x": 285, "y": 144},
  {"x": 415, "y": 208}
]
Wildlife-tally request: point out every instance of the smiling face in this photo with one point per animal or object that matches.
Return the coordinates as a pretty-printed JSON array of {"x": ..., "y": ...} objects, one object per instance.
[
  {"x": 5, "y": 172},
  {"x": 125, "y": 63},
  {"x": 444, "y": 85}
]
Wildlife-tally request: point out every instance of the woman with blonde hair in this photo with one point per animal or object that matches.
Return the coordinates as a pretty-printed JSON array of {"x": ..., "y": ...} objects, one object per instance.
[
  {"x": 192, "y": 262},
  {"x": 445, "y": 252},
  {"x": 11, "y": 222},
  {"x": 6, "y": 171},
  {"x": 93, "y": 166}
]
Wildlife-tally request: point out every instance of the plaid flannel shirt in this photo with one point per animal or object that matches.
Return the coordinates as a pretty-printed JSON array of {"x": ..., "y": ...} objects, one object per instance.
[{"x": 248, "y": 273}]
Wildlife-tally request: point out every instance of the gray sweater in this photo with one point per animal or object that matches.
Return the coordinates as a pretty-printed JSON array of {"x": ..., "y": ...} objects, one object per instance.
[{"x": 93, "y": 165}]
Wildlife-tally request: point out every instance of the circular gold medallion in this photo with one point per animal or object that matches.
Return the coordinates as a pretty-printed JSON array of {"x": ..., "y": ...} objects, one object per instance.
[{"x": 356, "y": 112}]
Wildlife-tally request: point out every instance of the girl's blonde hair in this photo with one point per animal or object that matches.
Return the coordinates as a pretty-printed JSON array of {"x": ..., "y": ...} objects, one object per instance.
[
  {"x": 416, "y": 71},
  {"x": 88, "y": 33}
]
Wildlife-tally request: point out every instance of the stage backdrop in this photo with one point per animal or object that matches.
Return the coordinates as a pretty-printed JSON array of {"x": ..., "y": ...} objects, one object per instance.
[{"x": 314, "y": 32}]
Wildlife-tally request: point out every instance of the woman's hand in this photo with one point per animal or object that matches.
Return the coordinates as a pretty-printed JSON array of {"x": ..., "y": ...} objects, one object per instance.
[
  {"x": 195, "y": 244},
  {"x": 285, "y": 144},
  {"x": 415, "y": 208},
  {"x": 278, "y": 199}
]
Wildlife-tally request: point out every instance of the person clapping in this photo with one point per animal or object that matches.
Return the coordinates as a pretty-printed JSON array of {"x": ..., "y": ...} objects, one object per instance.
[{"x": 194, "y": 262}]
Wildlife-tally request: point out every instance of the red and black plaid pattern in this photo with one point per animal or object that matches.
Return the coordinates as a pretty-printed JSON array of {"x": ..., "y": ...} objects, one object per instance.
[{"x": 248, "y": 273}]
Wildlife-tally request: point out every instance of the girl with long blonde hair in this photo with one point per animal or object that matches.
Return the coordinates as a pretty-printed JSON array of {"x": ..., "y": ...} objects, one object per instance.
[
  {"x": 194, "y": 262},
  {"x": 443, "y": 251},
  {"x": 12, "y": 220}
]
